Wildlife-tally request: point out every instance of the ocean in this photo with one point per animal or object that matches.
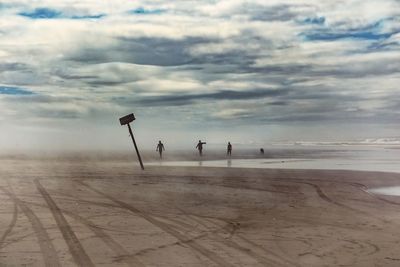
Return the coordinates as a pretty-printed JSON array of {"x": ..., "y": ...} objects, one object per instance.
[{"x": 335, "y": 157}]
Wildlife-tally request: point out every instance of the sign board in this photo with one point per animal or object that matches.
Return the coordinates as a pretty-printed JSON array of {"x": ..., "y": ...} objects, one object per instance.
[{"x": 127, "y": 119}]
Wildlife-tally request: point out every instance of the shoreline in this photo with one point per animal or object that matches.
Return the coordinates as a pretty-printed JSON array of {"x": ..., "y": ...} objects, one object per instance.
[{"x": 287, "y": 163}]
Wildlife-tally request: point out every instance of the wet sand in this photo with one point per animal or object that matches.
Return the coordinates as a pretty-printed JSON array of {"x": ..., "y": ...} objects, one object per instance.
[{"x": 109, "y": 213}]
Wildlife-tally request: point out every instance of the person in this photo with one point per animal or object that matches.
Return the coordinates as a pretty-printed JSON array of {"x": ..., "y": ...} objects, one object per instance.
[
  {"x": 160, "y": 148},
  {"x": 262, "y": 151},
  {"x": 200, "y": 147},
  {"x": 229, "y": 149}
]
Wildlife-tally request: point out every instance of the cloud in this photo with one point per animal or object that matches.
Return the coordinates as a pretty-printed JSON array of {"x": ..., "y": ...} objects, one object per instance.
[
  {"x": 257, "y": 62},
  {"x": 187, "y": 99},
  {"x": 232, "y": 114},
  {"x": 143, "y": 51}
]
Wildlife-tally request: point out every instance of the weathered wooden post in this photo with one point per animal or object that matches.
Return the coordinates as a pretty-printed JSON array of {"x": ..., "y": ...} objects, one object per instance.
[{"x": 126, "y": 120}]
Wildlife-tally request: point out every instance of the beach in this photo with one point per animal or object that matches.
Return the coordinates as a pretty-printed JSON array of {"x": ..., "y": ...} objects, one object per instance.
[
  {"x": 199, "y": 133},
  {"x": 74, "y": 212}
]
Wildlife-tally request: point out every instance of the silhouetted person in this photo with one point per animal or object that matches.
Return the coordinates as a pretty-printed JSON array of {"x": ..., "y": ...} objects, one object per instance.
[
  {"x": 229, "y": 149},
  {"x": 160, "y": 148},
  {"x": 262, "y": 151},
  {"x": 200, "y": 147}
]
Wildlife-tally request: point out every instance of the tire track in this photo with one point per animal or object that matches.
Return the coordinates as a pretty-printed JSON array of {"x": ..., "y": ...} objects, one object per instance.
[
  {"x": 183, "y": 239},
  {"x": 359, "y": 186},
  {"x": 75, "y": 247},
  {"x": 13, "y": 220},
  {"x": 50, "y": 256},
  {"x": 261, "y": 248},
  {"x": 11, "y": 225},
  {"x": 261, "y": 258},
  {"x": 274, "y": 259},
  {"x": 364, "y": 189},
  {"x": 375, "y": 249},
  {"x": 68, "y": 197},
  {"x": 229, "y": 228},
  {"x": 100, "y": 233},
  {"x": 15, "y": 240},
  {"x": 325, "y": 197},
  {"x": 146, "y": 250}
]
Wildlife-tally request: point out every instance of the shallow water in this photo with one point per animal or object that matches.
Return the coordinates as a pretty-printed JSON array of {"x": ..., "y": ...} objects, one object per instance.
[
  {"x": 361, "y": 159},
  {"x": 285, "y": 163},
  {"x": 388, "y": 191}
]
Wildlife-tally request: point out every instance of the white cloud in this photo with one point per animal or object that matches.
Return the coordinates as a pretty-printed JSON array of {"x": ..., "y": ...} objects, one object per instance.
[{"x": 196, "y": 52}]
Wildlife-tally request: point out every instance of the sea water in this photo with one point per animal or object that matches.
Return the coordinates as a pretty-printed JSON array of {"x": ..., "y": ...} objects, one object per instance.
[
  {"x": 357, "y": 158},
  {"x": 361, "y": 158}
]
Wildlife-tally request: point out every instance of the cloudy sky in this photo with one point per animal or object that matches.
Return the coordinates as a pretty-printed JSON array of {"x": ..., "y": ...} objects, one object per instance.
[{"x": 246, "y": 71}]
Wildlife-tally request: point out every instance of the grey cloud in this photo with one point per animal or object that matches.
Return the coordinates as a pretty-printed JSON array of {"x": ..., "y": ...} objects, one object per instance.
[
  {"x": 13, "y": 66},
  {"x": 143, "y": 51},
  {"x": 57, "y": 113},
  {"x": 338, "y": 70},
  {"x": 270, "y": 13},
  {"x": 165, "y": 52},
  {"x": 323, "y": 93},
  {"x": 101, "y": 82},
  {"x": 43, "y": 99},
  {"x": 57, "y": 107},
  {"x": 174, "y": 100},
  {"x": 75, "y": 76},
  {"x": 279, "y": 103},
  {"x": 301, "y": 105},
  {"x": 278, "y": 12},
  {"x": 292, "y": 99},
  {"x": 109, "y": 76}
]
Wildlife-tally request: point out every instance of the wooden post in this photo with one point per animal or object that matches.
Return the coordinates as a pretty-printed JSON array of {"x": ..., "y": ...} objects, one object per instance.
[
  {"x": 134, "y": 143},
  {"x": 126, "y": 120}
]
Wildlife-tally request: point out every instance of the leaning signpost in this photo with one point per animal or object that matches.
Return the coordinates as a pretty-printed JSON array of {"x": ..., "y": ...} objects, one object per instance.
[{"x": 126, "y": 120}]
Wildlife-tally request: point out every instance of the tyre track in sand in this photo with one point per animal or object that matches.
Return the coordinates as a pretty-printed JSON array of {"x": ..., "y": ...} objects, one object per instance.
[
  {"x": 265, "y": 257},
  {"x": 50, "y": 256},
  {"x": 365, "y": 189},
  {"x": 322, "y": 195},
  {"x": 11, "y": 225},
  {"x": 75, "y": 247},
  {"x": 182, "y": 239},
  {"x": 326, "y": 198},
  {"x": 123, "y": 254}
]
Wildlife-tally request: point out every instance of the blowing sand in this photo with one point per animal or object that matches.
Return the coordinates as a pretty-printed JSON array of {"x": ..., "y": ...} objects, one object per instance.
[{"x": 109, "y": 213}]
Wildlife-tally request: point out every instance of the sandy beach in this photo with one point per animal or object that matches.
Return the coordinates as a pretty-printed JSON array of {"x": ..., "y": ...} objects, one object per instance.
[
  {"x": 110, "y": 213},
  {"x": 199, "y": 133}
]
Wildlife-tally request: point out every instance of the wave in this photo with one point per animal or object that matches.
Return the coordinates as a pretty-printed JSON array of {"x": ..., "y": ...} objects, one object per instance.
[{"x": 369, "y": 141}]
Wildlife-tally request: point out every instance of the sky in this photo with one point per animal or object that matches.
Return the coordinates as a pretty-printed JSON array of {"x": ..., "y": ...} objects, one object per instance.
[{"x": 249, "y": 72}]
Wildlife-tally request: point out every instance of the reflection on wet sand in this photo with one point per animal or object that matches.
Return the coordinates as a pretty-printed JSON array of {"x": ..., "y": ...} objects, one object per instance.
[
  {"x": 290, "y": 163},
  {"x": 389, "y": 191}
]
